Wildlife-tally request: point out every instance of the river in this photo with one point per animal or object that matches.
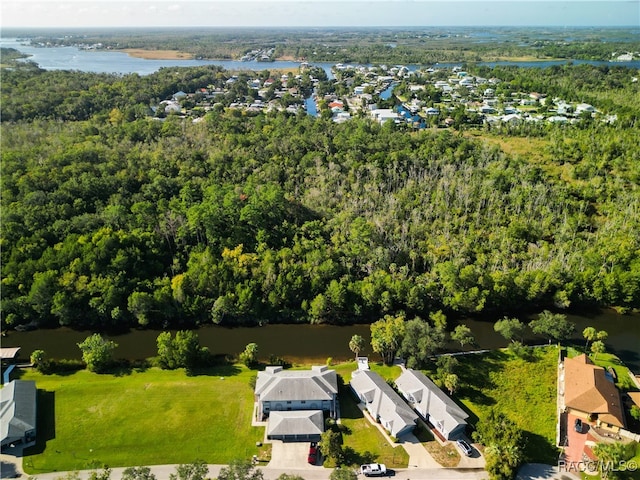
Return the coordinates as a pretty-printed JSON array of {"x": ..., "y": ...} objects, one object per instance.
[{"x": 313, "y": 343}]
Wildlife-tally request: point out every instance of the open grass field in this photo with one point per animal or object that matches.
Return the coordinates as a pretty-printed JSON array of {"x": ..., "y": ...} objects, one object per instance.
[
  {"x": 142, "y": 418},
  {"x": 525, "y": 389}
]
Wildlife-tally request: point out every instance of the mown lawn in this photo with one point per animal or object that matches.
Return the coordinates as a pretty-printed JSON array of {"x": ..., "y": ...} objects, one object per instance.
[
  {"x": 523, "y": 388},
  {"x": 150, "y": 417}
]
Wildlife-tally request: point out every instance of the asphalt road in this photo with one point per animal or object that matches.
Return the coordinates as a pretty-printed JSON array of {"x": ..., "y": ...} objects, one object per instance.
[{"x": 162, "y": 472}]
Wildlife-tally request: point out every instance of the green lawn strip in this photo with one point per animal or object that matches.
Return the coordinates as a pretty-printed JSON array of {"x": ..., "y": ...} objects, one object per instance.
[
  {"x": 365, "y": 440},
  {"x": 144, "y": 418},
  {"x": 525, "y": 389}
]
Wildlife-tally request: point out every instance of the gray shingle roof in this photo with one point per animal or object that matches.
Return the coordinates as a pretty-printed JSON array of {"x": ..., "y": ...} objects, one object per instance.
[
  {"x": 382, "y": 400},
  {"x": 17, "y": 409},
  {"x": 428, "y": 399},
  {"x": 298, "y": 422},
  {"x": 275, "y": 384}
]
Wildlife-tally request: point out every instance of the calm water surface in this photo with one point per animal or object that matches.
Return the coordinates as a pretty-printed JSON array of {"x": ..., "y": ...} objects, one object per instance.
[{"x": 311, "y": 343}]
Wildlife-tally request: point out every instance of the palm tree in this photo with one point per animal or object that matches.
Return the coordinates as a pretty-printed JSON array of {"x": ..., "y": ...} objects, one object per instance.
[{"x": 356, "y": 344}]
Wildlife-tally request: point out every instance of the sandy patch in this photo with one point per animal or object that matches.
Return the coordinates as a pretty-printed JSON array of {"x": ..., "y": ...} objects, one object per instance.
[{"x": 158, "y": 54}]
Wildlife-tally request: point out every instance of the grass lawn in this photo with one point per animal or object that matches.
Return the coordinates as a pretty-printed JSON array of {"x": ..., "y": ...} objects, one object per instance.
[
  {"x": 525, "y": 389},
  {"x": 446, "y": 455},
  {"x": 149, "y": 417}
]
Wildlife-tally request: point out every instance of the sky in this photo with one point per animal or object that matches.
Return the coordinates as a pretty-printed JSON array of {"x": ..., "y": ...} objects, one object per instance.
[{"x": 317, "y": 13}]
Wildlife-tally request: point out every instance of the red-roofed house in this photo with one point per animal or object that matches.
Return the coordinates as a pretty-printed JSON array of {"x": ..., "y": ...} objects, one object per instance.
[{"x": 590, "y": 394}]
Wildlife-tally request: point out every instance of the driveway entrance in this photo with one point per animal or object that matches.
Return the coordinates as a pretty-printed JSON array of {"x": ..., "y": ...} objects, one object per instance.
[{"x": 289, "y": 455}]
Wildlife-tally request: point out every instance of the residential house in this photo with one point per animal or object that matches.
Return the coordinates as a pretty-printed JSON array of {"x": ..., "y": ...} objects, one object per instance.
[
  {"x": 589, "y": 393},
  {"x": 285, "y": 390},
  {"x": 18, "y": 412},
  {"x": 432, "y": 404},
  {"x": 383, "y": 403}
]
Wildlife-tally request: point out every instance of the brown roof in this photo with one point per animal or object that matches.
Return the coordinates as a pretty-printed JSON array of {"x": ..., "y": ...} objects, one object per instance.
[
  {"x": 635, "y": 397},
  {"x": 587, "y": 389}
]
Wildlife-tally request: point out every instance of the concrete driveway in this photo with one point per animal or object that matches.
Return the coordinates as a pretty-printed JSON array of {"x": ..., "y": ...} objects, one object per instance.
[{"x": 289, "y": 455}]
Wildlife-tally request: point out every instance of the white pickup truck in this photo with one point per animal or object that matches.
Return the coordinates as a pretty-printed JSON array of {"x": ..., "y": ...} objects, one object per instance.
[{"x": 373, "y": 469}]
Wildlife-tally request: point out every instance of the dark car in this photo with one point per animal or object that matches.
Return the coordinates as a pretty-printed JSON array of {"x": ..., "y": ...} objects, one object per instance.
[
  {"x": 578, "y": 426},
  {"x": 313, "y": 453},
  {"x": 465, "y": 447}
]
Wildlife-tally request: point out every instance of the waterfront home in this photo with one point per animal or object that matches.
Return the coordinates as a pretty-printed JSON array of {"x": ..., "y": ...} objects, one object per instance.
[
  {"x": 432, "y": 404},
  {"x": 590, "y": 394},
  {"x": 383, "y": 403}
]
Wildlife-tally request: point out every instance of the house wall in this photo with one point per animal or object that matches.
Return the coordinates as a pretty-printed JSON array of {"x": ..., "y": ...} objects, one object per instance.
[{"x": 325, "y": 405}]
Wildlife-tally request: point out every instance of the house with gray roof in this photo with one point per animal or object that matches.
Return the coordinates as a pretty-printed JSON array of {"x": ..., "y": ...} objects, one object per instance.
[
  {"x": 383, "y": 403},
  {"x": 18, "y": 412},
  {"x": 295, "y": 401},
  {"x": 432, "y": 404}
]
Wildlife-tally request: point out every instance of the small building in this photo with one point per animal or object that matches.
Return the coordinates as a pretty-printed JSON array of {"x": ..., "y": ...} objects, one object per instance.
[
  {"x": 432, "y": 404},
  {"x": 383, "y": 403},
  {"x": 18, "y": 412}
]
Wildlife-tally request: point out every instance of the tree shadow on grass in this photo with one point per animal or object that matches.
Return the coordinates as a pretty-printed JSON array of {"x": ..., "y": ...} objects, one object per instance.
[
  {"x": 351, "y": 457},
  {"x": 474, "y": 373},
  {"x": 46, "y": 421},
  {"x": 349, "y": 405},
  {"x": 538, "y": 449},
  {"x": 226, "y": 370}
]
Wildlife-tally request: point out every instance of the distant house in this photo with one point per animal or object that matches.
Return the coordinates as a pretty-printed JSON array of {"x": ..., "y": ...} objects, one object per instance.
[
  {"x": 383, "y": 115},
  {"x": 432, "y": 404},
  {"x": 18, "y": 412},
  {"x": 589, "y": 393},
  {"x": 383, "y": 403}
]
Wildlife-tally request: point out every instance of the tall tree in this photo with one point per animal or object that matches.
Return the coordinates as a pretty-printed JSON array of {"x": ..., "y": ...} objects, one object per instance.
[
  {"x": 589, "y": 334},
  {"x": 421, "y": 340},
  {"x": 250, "y": 355},
  {"x": 356, "y": 344},
  {"x": 504, "y": 442},
  {"x": 598, "y": 347},
  {"x": 510, "y": 328},
  {"x": 97, "y": 352},
  {"x": 331, "y": 446},
  {"x": 386, "y": 336},
  {"x": 462, "y": 334},
  {"x": 554, "y": 326}
]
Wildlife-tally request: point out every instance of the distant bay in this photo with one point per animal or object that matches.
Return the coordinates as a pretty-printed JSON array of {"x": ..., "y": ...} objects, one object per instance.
[
  {"x": 110, "y": 61},
  {"x": 113, "y": 61}
]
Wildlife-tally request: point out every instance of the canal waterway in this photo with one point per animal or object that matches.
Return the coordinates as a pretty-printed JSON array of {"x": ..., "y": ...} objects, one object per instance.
[{"x": 314, "y": 343}]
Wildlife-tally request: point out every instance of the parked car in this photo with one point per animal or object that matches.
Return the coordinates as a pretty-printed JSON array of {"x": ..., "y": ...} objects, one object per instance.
[
  {"x": 464, "y": 447},
  {"x": 373, "y": 469},
  {"x": 578, "y": 426},
  {"x": 313, "y": 453}
]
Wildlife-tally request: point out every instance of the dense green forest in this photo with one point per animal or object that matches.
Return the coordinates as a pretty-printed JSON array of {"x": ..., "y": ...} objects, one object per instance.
[{"x": 111, "y": 218}]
